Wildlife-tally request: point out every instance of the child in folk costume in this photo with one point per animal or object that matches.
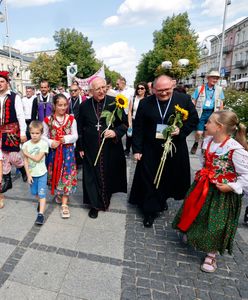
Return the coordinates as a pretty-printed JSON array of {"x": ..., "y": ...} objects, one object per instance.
[
  {"x": 210, "y": 213},
  {"x": 60, "y": 129}
]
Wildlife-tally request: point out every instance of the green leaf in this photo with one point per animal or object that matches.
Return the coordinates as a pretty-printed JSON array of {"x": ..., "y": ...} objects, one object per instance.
[
  {"x": 108, "y": 119},
  {"x": 119, "y": 113},
  {"x": 105, "y": 113}
]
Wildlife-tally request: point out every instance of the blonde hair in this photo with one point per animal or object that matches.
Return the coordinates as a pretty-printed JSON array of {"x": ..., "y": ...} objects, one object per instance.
[
  {"x": 233, "y": 127},
  {"x": 36, "y": 125}
]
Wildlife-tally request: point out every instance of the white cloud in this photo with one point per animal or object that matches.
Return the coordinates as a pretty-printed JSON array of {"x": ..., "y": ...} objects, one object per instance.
[
  {"x": 120, "y": 57},
  {"x": 24, "y": 3},
  {"x": 138, "y": 12},
  {"x": 215, "y": 8},
  {"x": 31, "y": 44}
]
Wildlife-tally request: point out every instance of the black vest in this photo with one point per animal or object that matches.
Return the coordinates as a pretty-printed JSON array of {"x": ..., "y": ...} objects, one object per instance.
[{"x": 10, "y": 142}]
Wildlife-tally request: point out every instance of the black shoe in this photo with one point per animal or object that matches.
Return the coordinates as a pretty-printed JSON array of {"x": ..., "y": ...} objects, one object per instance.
[
  {"x": 24, "y": 175},
  {"x": 93, "y": 213},
  {"x": 148, "y": 221},
  {"x": 7, "y": 183},
  {"x": 40, "y": 219},
  {"x": 194, "y": 148},
  {"x": 246, "y": 216}
]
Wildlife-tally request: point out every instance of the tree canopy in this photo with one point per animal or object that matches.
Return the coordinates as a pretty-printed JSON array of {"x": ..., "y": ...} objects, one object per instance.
[
  {"x": 46, "y": 67},
  {"x": 72, "y": 46},
  {"x": 176, "y": 40}
]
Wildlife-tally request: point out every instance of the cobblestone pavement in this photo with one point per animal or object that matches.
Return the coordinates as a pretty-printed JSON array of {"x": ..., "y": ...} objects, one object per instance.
[{"x": 112, "y": 257}]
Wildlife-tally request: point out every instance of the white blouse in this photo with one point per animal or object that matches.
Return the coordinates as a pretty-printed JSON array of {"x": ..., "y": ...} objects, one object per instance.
[
  {"x": 239, "y": 159},
  {"x": 69, "y": 138}
]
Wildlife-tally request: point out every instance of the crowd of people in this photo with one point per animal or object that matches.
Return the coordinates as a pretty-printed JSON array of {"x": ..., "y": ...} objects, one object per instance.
[{"x": 48, "y": 137}]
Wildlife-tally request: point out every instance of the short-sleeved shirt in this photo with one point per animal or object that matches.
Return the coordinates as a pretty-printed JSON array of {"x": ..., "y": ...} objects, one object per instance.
[
  {"x": 210, "y": 95},
  {"x": 36, "y": 169}
]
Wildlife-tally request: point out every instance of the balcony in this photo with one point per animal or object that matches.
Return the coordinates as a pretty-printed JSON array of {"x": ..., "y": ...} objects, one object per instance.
[
  {"x": 241, "y": 64},
  {"x": 227, "y": 49}
]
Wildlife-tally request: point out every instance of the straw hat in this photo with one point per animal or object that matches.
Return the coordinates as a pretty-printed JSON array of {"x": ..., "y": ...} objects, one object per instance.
[{"x": 213, "y": 74}]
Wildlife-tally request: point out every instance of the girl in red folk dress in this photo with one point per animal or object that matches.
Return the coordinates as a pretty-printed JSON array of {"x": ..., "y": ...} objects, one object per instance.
[
  {"x": 210, "y": 213},
  {"x": 60, "y": 130}
]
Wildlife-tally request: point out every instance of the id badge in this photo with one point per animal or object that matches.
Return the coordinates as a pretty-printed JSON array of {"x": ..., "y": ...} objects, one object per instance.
[
  {"x": 208, "y": 103},
  {"x": 159, "y": 131}
]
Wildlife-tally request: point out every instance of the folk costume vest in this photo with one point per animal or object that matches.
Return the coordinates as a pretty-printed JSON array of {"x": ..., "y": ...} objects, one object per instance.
[
  {"x": 202, "y": 97},
  {"x": 9, "y": 123}
]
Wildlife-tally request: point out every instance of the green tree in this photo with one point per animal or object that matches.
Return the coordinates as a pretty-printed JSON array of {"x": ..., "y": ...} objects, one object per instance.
[
  {"x": 174, "y": 41},
  {"x": 46, "y": 67},
  {"x": 75, "y": 47}
]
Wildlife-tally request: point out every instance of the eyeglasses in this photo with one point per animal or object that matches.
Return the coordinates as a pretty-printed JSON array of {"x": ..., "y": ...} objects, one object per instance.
[
  {"x": 140, "y": 88},
  {"x": 164, "y": 90},
  {"x": 74, "y": 90}
]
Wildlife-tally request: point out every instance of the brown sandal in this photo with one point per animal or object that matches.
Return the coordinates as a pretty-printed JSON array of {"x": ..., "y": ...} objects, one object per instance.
[
  {"x": 65, "y": 213},
  {"x": 211, "y": 262}
]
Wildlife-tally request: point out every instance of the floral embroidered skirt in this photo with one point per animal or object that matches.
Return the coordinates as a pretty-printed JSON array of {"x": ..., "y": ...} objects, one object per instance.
[
  {"x": 215, "y": 227},
  {"x": 67, "y": 182}
]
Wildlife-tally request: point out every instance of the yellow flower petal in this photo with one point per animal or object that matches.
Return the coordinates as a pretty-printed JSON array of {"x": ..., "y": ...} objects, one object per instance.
[{"x": 121, "y": 101}]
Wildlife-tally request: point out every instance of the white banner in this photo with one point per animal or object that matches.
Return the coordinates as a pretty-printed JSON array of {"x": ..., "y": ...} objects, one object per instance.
[{"x": 84, "y": 83}]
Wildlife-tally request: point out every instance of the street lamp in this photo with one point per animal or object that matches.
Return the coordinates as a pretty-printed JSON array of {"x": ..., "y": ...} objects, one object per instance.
[
  {"x": 167, "y": 64},
  {"x": 204, "y": 49}
]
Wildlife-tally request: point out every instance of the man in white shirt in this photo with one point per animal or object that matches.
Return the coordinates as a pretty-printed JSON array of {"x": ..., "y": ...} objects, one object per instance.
[
  {"x": 128, "y": 92},
  {"x": 27, "y": 103},
  {"x": 13, "y": 131}
]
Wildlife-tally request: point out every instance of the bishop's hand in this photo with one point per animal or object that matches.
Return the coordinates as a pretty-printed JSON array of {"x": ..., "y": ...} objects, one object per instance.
[{"x": 108, "y": 134}]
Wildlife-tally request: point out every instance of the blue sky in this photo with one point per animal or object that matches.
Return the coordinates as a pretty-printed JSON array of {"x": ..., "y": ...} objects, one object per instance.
[{"x": 121, "y": 30}]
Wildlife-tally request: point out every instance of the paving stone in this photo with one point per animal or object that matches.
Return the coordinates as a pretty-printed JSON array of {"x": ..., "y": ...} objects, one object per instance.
[
  {"x": 3, "y": 277},
  {"x": 62, "y": 236},
  {"x": 5, "y": 252},
  {"x": 91, "y": 241},
  {"x": 14, "y": 290},
  {"x": 15, "y": 230},
  {"x": 41, "y": 269},
  {"x": 84, "y": 276}
]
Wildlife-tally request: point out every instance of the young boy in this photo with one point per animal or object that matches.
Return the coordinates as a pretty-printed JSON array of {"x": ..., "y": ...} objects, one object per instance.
[{"x": 34, "y": 152}]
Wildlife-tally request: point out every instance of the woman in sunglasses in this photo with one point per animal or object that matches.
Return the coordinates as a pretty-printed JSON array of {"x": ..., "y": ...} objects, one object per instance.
[{"x": 141, "y": 92}]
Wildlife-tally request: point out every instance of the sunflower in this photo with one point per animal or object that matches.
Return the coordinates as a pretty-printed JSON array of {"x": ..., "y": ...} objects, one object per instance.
[
  {"x": 183, "y": 112},
  {"x": 121, "y": 101}
]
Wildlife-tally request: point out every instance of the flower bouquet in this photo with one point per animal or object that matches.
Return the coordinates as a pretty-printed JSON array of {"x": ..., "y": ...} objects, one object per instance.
[
  {"x": 120, "y": 103},
  {"x": 175, "y": 120}
]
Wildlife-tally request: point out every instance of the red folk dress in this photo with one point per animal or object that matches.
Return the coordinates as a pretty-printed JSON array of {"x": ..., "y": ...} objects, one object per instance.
[
  {"x": 61, "y": 164},
  {"x": 208, "y": 216}
]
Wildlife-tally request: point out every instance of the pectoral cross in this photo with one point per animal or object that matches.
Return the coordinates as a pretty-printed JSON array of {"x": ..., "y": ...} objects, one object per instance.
[{"x": 98, "y": 126}]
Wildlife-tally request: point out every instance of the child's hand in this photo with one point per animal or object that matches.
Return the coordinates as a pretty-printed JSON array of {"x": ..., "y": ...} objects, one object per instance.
[
  {"x": 62, "y": 140},
  {"x": 55, "y": 144},
  {"x": 225, "y": 188},
  {"x": 30, "y": 179}
]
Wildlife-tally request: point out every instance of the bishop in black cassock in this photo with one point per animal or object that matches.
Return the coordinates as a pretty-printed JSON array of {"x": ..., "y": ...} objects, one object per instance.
[{"x": 109, "y": 175}]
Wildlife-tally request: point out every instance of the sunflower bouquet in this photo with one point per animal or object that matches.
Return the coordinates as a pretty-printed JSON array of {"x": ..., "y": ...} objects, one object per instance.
[
  {"x": 120, "y": 103},
  {"x": 175, "y": 120}
]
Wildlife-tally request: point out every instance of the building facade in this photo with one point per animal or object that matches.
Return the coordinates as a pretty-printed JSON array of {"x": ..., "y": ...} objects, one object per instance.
[
  {"x": 18, "y": 65},
  {"x": 234, "y": 63}
]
